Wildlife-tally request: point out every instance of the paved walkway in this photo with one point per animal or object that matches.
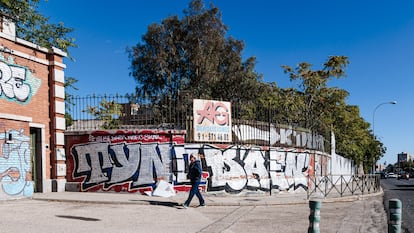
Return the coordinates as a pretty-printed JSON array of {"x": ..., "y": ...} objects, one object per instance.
[
  {"x": 118, "y": 212},
  {"x": 288, "y": 212},
  {"x": 219, "y": 199}
]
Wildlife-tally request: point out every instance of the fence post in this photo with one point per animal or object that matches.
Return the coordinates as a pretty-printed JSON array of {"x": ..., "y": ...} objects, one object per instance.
[
  {"x": 314, "y": 216},
  {"x": 394, "y": 217}
]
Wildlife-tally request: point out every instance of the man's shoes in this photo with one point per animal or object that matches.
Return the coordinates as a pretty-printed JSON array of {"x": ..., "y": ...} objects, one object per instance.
[
  {"x": 202, "y": 206},
  {"x": 185, "y": 206}
]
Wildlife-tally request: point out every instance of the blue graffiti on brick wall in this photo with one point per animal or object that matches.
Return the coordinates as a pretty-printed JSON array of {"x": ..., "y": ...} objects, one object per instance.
[
  {"x": 17, "y": 83},
  {"x": 15, "y": 168},
  {"x": 231, "y": 169}
]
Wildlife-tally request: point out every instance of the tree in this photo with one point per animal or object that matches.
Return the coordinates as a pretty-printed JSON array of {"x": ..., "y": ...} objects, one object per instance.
[
  {"x": 352, "y": 135},
  {"x": 192, "y": 56},
  {"x": 108, "y": 112},
  {"x": 321, "y": 108},
  {"x": 34, "y": 27},
  {"x": 316, "y": 96}
]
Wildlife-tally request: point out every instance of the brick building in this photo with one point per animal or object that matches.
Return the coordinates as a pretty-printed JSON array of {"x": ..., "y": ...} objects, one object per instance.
[{"x": 32, "y": 123}]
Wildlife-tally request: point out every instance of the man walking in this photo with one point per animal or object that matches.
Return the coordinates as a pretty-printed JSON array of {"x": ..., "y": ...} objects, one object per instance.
[{"x": 195, "y": 178}]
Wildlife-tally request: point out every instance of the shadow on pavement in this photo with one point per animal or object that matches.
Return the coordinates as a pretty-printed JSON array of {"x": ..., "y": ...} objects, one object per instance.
[
  {"x": 164, "y": 203},
  {"x": 404, "y": 189},
  {"x": 78, "y": 218}
]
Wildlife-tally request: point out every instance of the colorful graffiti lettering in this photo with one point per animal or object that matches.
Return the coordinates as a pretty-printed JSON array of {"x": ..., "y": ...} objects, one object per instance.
[
  {"x": 17, "y": 83},
  {"x": 135, "y": 161},
  {"x": 12, "y": 82},
  {"x": 15, "y": 168},
  {"x": 232, "y": 169}
]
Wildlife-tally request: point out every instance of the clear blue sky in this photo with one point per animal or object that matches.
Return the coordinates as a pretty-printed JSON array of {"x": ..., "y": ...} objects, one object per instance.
[{"x": 377, "y": 36}]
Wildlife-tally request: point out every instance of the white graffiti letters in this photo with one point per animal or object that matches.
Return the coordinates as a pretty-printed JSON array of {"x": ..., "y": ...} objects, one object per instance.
[
  {"x": 12, "y": 82},
  {"x": 125, "y": 166},
  {"x": 116, "y": 164},
  {"x": 89, "y": 162},
  {"x": 232, "y": 169},
  {"x": 234, "y": 174},
  {"x": 257, "y": 174},
  {"x": 150, "y": 160},
  {"x": 280, "y": 136},
  {"x": 288, "y": 169}
]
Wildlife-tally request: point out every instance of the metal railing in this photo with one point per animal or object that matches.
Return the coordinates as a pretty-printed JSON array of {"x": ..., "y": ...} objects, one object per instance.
[
  {"x": 342, "y": 185},
  {"x": 130, "y": 112}
]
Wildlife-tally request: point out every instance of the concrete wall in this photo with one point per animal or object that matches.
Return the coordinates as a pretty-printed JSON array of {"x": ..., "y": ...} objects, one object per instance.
[{"x": 134, "y": 161}]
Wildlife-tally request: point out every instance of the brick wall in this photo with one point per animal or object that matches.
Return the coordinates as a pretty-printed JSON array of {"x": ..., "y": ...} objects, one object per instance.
[{"x": 31, "y": 105}]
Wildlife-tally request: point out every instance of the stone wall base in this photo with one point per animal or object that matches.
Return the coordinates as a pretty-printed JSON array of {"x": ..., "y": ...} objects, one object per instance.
[{"x": 58, "y": 185}]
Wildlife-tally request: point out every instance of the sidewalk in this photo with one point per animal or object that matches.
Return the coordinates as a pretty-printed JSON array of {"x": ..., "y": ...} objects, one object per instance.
[
  {"x": 282, "y": 212},
  {"x": 211, "y": 199}
]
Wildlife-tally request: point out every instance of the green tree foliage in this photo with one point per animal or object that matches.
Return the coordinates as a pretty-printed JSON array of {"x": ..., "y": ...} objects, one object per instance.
[
  {"x": 352, "y": 134},
  {"x": 317, "y": 97},
  {"x": 34, "y": 27},
  {"x": 283, "y": 105},
  {"x": 321, "y": 108},
  {"x": 192, "y": 56},
  {"x": 108, "y": 112}
]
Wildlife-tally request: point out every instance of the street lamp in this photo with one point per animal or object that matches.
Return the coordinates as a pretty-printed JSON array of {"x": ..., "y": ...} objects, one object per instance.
[{"x": 373, "y": 123}]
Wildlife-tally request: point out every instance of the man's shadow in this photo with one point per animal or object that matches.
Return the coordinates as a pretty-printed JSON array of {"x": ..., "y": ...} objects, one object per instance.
[{"x": 166, "y": 203}]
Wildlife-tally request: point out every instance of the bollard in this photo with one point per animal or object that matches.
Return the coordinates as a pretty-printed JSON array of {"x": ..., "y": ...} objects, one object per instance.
[
  {"x": 394, "y": 217},
  {"x": 314, "y": 216}
]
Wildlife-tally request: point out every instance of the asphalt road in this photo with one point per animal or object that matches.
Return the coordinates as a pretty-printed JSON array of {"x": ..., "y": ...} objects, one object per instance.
[{"x": 404, "y": 191}]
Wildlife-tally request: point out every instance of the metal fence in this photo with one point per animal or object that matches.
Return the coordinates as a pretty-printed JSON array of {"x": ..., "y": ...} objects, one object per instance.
[
  {"x": 343, "y": 185},
  {"x": 130, "y": 112}
]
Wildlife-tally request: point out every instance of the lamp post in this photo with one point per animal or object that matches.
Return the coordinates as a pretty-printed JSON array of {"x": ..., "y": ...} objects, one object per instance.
[{"x": 373, "y": 124}]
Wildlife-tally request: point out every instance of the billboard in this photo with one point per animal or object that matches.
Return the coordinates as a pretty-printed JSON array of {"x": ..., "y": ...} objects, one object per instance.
[{"x": 212, "y": 121}]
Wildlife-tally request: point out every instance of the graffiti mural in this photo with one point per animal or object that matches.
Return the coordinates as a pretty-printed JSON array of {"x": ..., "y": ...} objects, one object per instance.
[
  {"x": 135, "y": 161},
  {"x": 15, "y": 167},
  {"x": 139, "y": 165},
  {"x": 234, "y": 169},
  {"x": 118, "y": 161},
  {"x": 17, "y": 83},
  {"x": 277, "y": 136}
]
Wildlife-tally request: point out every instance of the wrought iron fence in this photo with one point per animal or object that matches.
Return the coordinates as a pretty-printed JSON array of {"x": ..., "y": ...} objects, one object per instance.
[
  {"x": 130, "y": 112},
  {"x": 342, "y": 185}
]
